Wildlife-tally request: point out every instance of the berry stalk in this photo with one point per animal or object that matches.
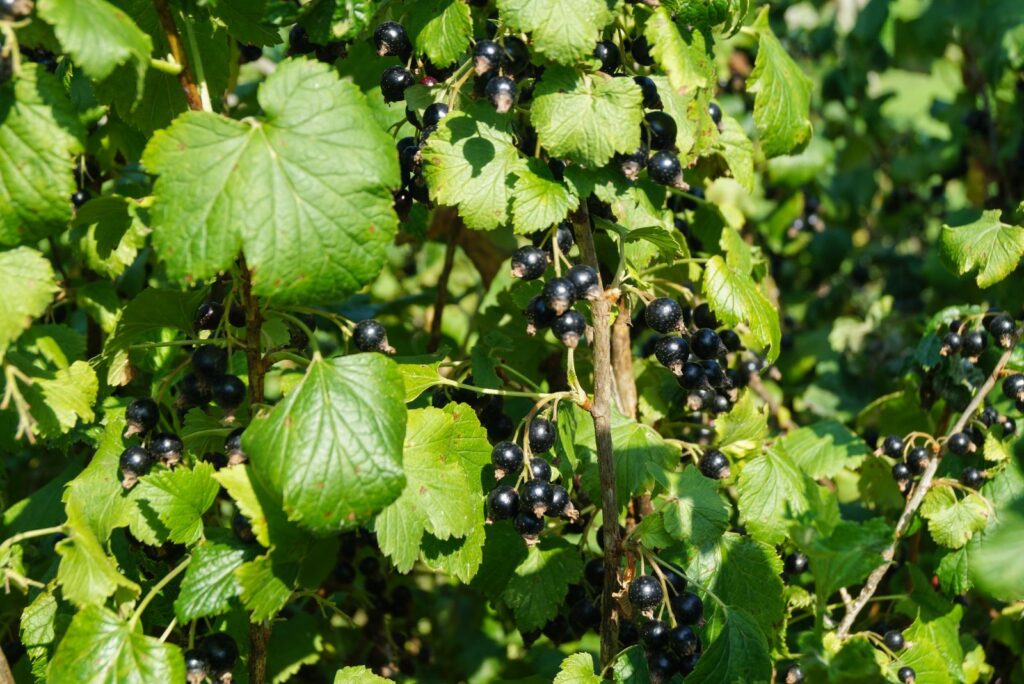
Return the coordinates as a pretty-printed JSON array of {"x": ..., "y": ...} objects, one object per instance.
[{"x": 185, "y": 76}]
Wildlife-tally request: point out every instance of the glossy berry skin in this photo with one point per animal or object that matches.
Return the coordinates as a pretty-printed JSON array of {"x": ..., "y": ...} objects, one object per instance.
[
  {"x": 1003, "y": 330},
  {"x": 371, "y": 336},
  {"x": 959, "y": 443},
  {"x": 586, "y": 281},
  {"x": 654, "y": 634},
  {"x": 487, "y": 56},
  {"x": 693, "y": 377},
  {"x": 1013, "y": 387},
  {"x": 641, "y": 51},
  {"x": 893, "y": 446},
  {"x": 192, "y": 391},
  {"x": 714, "y": 464},
  {"x": 664, "y": 315},
  {"x": 795, "y": 563},
  {"x": 502, "y": 503},
  {"x": 209, "y": 361},
  {"x": 517, "y": 55},
  {"x": 528, "y": 525},
  {"x": 593, "y": 573},
  {"x": 563, "y": 236},
  {"x": 501, "y": 92},
  {"x": 142, "y": 415},
  {"x": 560, "y": 295},
  {"x": 393, "y": 83},
  {"x": 166, "y": 446},
  {"x": 793, "y": 674},
  {"x": 236, "y": 316},
  {"x": 975, "y": 343},
  {"x": 730, "y": 340},
  {"x": 196, "y": 667},
  {"x": 79, "y": 198},
  {"x": 715, "y": 374},
  {"x": 652, "y": 100},
  {"x": 989, "y": 416},
  {"x": 560, "y": 502},
  {"x": 661, "y": 666},
  {"x": 664, "y": 168},
  {"x": 529, "y": 263},
  {"x": 536, "y": 495},
  {"x": 569, "y": 328},
  {"x": 433, "y": 114},
  {"x": 715, "y": 112},
  {"x": 1009, "y": 426},
  {"x": 507, "y": 458},
  {"x": 538, "y": 315},
  {"x": 542, "y": 435},
  {"x": 907, "y": 675},
  {"x": 704, "y": 318},
  {"x": 952, "y": 344},
  {"x": 894, "y": 640},
  {"x": 660, "y": 130},
  {"x": 136, "y": 460},
  {"x": 645, "y": 592},
  {"x": 683, "y": 641},
  {"x": 706, "y": 344},
  {"x": 972, "y": 477},
  {"x": 901, "y": 472},
  {"x": 688, "y": 608},
  {"x": 540, "y": 469},
  {"x": 608, "y": 54},
  {"x": 228, "y": 391},
  {"x": 221, "y": 652},
  {"x": 672, "y": 352},
  {"x": 676, "y": 582},
  {"x": 392, "y": 39},
  {"x": 584, "y": 616},
  {"x": 918, "y": 459}
]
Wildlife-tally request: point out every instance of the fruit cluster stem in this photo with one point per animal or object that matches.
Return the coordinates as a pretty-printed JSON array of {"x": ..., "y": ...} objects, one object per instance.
[
  {"x": 914, "y": 503},
  {"x": 600, "y": 412}
]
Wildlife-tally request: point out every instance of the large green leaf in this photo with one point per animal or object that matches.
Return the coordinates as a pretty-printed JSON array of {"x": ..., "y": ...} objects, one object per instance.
[
  {"x": 738, "y": 152},
  {"x": 987, "y": 245},
  {"x": 332, "y": 450},
  {"x": 540, "y": 583},
  {"x": 441, "y": 29},
  {"x": 695, "y": 512},
  {"x": 769, "y": 487},
  {"x": 952, "y": 520},
  {"x": 180, "y": 497},
  {"x": 996, "y": 566},
  {"x": 681, "y": 52},
  {"x": 846, "y": 555},
  {"x": 577, "y": 669},
  {"x": 561, "y": 33},
  {"x": 735, "y": 298},
  {"x": 825, "y": 448},
  {"x": 304, "y": 192},
  {"x": 27, "y": 278},
  {"x": 87, "y": 575},
  {"x": 538, "y": 200},
  {"x": 738, "y": 655},
  {"x": 210, "y": 582},
  {"x": 744, "y": 429}
]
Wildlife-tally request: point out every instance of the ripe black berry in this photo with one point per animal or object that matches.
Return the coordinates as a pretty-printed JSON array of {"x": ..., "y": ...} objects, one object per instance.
[
  {"x": 242, "y": 528},
  {"x": 569, "y": 328},
  {"x": 714, "y": 464},
  {"x": 142, "y": 416},
  {"x": 894, "y": 640},
  {"x": 233, "y": 447},
  {"x": 228, "y": 391},
  {"x": 563, "y": 236},
  {"x": 528, "y": 525},
  {"x": 688, "y": 608},
  {"x": 607, "y": 53},
  {"x": 561, "y": 504},
  {"x": 960, "y": 443},
  {"x": 793, "y": 674},
  {"x": 661, "y": 666},
  {"x": 538, "y": 315},
  {"x": 693, "y": 377},
  {"x": 715, "y": 374},
  {"x": 560, "y": 295},
  {"x": 672, "y": 352},
  {"x": 192, "y": 391},
  {"x": 795, "y": 563},
  {"x": 393, "y": 83},
  {"x": 747, "y": 369},
  {"x": 683, "y": 641},
  {"x": 499, "y": 427},
  {"x": 893, "y": 446},
  {"x": 633, "y": 163},
  {"x": 535, "y": 495},
  {"x": 236, "y": 316},
  {"x": 502, "y": 503},
  {"x": 593, "y": 573},
  {"x": 391, "y": 39},
  {"x": 585, "y": 280},
  {"x": 975, "y": 343},
  {"x": 517, "y": 55},
  {"x": 507, "y": 458},
  {"x": 166, "y": 447},
  {"x": 645, "y": 592},
  {"x": 1003, "y": 330},
  {"x": 209, "y": 361},
  {"x": 901, "y": 472},
  {"x": 135, "y": 462},
  {"x": 706, "y": 344},
  {"x": 989, "y": 416},
  {"x": 918, "y": 459},
  {"x": 369, "y": 566},
  {"x": 371, "y": 336},
  {"x": 715, "y": 112},
  {"x": 664, "y": 315},
  {"x": 676, "y": 582},
  {"x": 1009, "y": 426},
  {"x": 221, "y": 652},
  {"x": 641, "y": 51},
  {"x": 703, "y": 317},
  {"x": 652, "y": 100},
  {"x": 972, "y": 477},
  {"x": 80, "y": 197},
  {"x": 529, "y": 263},
  {"x": 654, "y": 634},
  {"x": 660, "y": 130},
  {"x": 501, "y": 91},
  {"x": 952, "y": 344},
  {"x": 433, "y": 114},
  {"x": 584, "y": 615},
  {"x": 540, "y": 469},
  {"x": 542, "y": 435},
  {"x": 1013, "y": 387},
  {"x": 907, "y": 675},
  {"x": 196, "y": 667},
  {"x": 664, "y": 168},
  {"x": 487, "y": 56}
]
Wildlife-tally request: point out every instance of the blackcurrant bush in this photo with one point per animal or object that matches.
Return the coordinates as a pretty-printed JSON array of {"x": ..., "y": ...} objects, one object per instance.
[
  {"x": 893, "y": 446},
  {"x": 706, "y": 344},
  {"x": 795, "y": 563},
  {"x": 569, "y": 328},
  {"x": 586, "y": 281},
  {"x": 660, "y": 130},
  {"x": 209, "y": 361},
  {"x": 517, "y": 55},
  {"x": 715, "y": 112},
  {"x": 528, "y": 525},
  {"x": 1013, "y": 387},
  {"x": 393, "y": 83},
  {"x": 683, "y": 641},
  {"x": 141, "y": 415},
  {"x": 487, "y": 56},
  {"x": 228, "y": 391},
  {"x": 196, "y": 667},
  {"x": 166, "y": 447},
  {"x": 221, "y": 652},
  {"x": 502, "y": 503},
  {"x": 975, "y": 343},
  {"x": 641, "y": 51},
  {"x": 607, "y": 53},
  {"x": 704, "y": 318},
  {"x": 391, "y": 39},
  {"x": 664, "y": 168},
  {"x": 972, "y": 477},
  {"x": 529, "y": 263},
  {"x": 645, "y": 592},
  {"x": 501, "y": 91},
  {"x": 535, "y": 495},
  {"x": 135, "y": 462},
  {"x": 688, "y": 608},
  {"x": 894, "y": 640},
  {"x": 793, "y": 674},
  {"x": 433, "y": 114},
  {"x": 233, "y": 447},
  {"x": 693, "y": 377},
  {"x": 560, "y": 295},
  {"x": 507, "y": 458},
  {"x": 1003, "y": 330},
  {"x": 652, "y": 100},
  {"x": 952, "y": 344},
  {"x": 540, "y": 469},
  {"x": 371, "y": 336},
  {"x": 661, "y": 666},
  {"x": 664, "y": 315},
  {"x": 901, "y": 472},
  {"x": 242, "y": 528},
  {"x": 672, "y": 352},
  {"x": 654, "y": 634},
  {"x": 918, "y": 459},
  {"x": 906, "y": 675},
  {"x": 538, "y": 315},
  {"x": 593, "y": 573},
  {"x": 714, "y": 464},
  {"x": 960, "y": 443},
  {"x": 561, "y": 504}
]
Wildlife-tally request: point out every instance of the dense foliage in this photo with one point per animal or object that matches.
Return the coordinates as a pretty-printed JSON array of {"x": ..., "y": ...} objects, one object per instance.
[{"x": 529, "y": 340}]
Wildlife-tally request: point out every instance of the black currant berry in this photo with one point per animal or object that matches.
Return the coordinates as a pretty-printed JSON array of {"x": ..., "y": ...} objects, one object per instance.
[
  {"x": 918, "y": 459},
  {"x": 371, "y": 336},
  {"x": 242, "y": 528},
  {"x": 393, "y": 83},
  {"x": 703, "y": 317},
  {"x": 563, "y": 236},
  {"x": 569, "y": 328},
  {"x": 893, "y": 446},
  {"x": 1013, "y": 387},
  {"x": 1003, "y": 330},
  {"x": 793, "y": 674},
  {"x": 299, "y": 42},
  {"x": 975, "y": 343},
  {"x": 500, "y": 427},
  {"x": 654, "y": 634},
  {"x": 641, "y": 51},
  {"x": 538, "y": 315},
  {"x": 894, "y": 640},
  {"x": 196, "y": 667},
  {"x": 209, "y": 361},
  {"x": 517, "y": 55},
  {"x": 907, "y": 675},
  {"x": 369, "y": 566},
  {"x": 989, "y": 416},
  {"x": 391, "y": 39},
  {"x": 683, "y": 641},
  {"x": 1009, "y": 426},
  {"x": 221, "y": 652},
  {"x": 536, "y": 496},
  {"x": 693, "y": 377},
  {"x": 586, "y": 281},
  {"x": 135, "y": 462},
  {"x": 560, "y": 295},
  {"x": 228, "y": 391},
  {"x": 901, "y": 472},
  {"x": 608, "y": 54},
  {"x": 507, "y": 458},
  {"x": 730, "y": 340},
  {"x": 540, "y": 469},
  {"x": 502, "y": 503},
  {"x": 746, "y": 370},
  {"x": 664, "y": 315},
  {"x": 660, "y": 130},
  {"x": 715, "y": 374},
  {"x": 542, "y": 435},
  {"x": 714, "y": 464},
  {"x": 236, "y": 316},
  {"x": 141, "y": 415},
  {"x": 701, "y": 399},
  {"x": 561, "y": 504},
  {"x": 706, "y": 344},
  {"x": 593, "y": 573},
  {"x": 487, "y": 56},
  {"x": 584, "y": 615},
  {"x": 688, "y": 608},
  {"x": 529, "y": 263},
  {"x": 960, "y": 443},
  {"x": 972, "y": 477},
  {"x": 233, "y": 447},
  {"x": 672, "y": 352},
  {"x": 952, "y": 344},
  {"x": 715, "y": 112},
  {"x": 192, "y": 391},
  {"x": 166, "y": 447},
  {"x": 645, "y": 592},
  {"x": 664, "y": 168},
  {"x": 661, "y": 666},
  {"x": 528, "y": 525},
  {"x": 433, "y": 114},
  {"x": 652, "y": 100},
  {"x": 80, "y": 197},
  {"x": 501, "y": 91},
  {"x": 795, "y": 563}
]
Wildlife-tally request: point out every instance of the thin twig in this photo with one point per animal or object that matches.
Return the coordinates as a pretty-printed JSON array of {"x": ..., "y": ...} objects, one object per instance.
[
  {"x": 442, "y": 288},
  {"x": 185, "y": 77}
]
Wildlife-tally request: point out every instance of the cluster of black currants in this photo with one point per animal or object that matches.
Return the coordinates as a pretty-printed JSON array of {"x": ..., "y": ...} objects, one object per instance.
[
  {"x": 670, "y": 650},
  {"x": 960, "y": 339},
  {"x": 553, "y": 307},
  {"x": 142, "y": 416},
  {"x": 209, "y": 379},
  {"x": 536, "y": 496},
  {"x": 213, "y": 660},
  {"x": 299, "y": 43}
]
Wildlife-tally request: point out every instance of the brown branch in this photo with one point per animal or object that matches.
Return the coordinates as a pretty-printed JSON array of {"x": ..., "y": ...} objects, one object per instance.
[
  {"x": 601, "y": 414},
  {"x": 442, "y": 286},
  {"x": 6, "y": 676},
  {"x": 914, "y": 502},
  {"x": 622, "y": 363},
  {"x": 185, "y": 77}
]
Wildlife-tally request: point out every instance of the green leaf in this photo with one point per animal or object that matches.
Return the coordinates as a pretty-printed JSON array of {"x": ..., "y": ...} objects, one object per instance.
[
  {"x": 540, "y": 582},
  {"x": 680, "y": 52},
  {"x": 246, "y": 21},
  {"x": 305, "y": 192},
  {"x": 358, "y": 675},
  {"x": 630, "y": 666},
  {"x": 69, "y": 395},
  {"x": 562, "y": 36},
  {"x": 782, "y": 94},
  {"x": 419, "y": 377},
  {"x": 107, "y": 234},
  {"x": 180, "y": 497},
  {"x": 269, "y": 523},
  {"x": 43, "y": 623},
  {"x": 154, "y": 310},
  {"x": 738, "y": 152},
  {"x": 210, "y": 582},
  {"x": 847, "y": 555},
  {"x": 952, "y": 521},
  {"x": 96, "y": 494},
  {"x": 825, "y": 448},
  {"x": 101, "y": 648},
  {"x": 445, "y": 452},
  {"x": 27, "y": 277},
  {"x": 992, "y": 247},
  {"x": 468, "y": 163},
  {"x": 332, "y": 448},
  {"x": 769, "y": 486},
  {"x": 695, "y": 512},
  {"x": 744, "y": 429},
  {"x": 995, "y": 566},
  {"x": 586, "y": 118},
  {"x": 41, "y": 133},
  {"x": 87, "y": 575},
  {"x": 577, "y": 669},
  {"x": 735, "y": 298},
  {"x": 738, "y": 655},
  {"x": 995, "y": 449},
  {"x": 441, "y": 29},
  {"x": 538, "y": 200},
  {"x": 266, "y": 584}
]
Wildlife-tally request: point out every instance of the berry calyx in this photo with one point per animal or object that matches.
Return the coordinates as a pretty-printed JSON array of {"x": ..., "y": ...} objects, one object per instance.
[
  {"x": 371, "y": 336},
  {"x": 972, "y": 477},
  {"x": 540, "y": 469},
  {"x": 167, "y": 447},
  {"x": 209, "y": 361},
  {"x": 586, "y": 281},
  {"x": 502, "y": 503},
  {"x": 907, "y": 675},
  {"x": 529, "y": 263},
  {"x": 1013, "y": 387},
  {"x": 664, "y": 168},
  {"x": 672, "y": 352},
  {"x": 487, "y": 56},
  {"x": 392, "y": 39},
  {"x": 196, "y": 667},
  {"x": 714, "y": 464},
  {"x": 688, "y": 608},
  {"x": 538, "y": 315},
  {"x": 664, "y": 315},
  {"x": 645, "y": 592},
  {"x": 660, "y": 130},
  {"x": 528, "y": 525},
  {"x": 221, "y": 652},
  {"x": 560, "y": 295},
  {"x": 135, "y": 462},
  {"x": 569, "y": 328},
  {"x": 501, "y": 91},
  {"x": 893, "y": 446},
  {"x": 795, "y": 563},
  {"x": 894, "y": 640},
  {"x": 715, "y": 112},
  {"x": 793, "y": 674},
  {"x": 960, "y": 443},
  {"x": 652, "y": 100},
  {"x": 635, "y": 162},
  {"x": 393, "y": 83},
  {"x": 706, "y": 344},
  {"x": 608, "y": 54},
  {"x": 542, "y": 436},
  {"x": 228, "y": 391},
  {"x": 507, "y": 458},
  {"x": 918, "y": 459}
]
